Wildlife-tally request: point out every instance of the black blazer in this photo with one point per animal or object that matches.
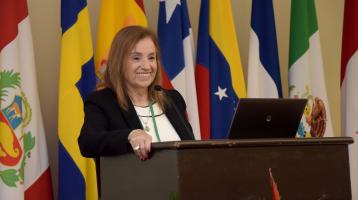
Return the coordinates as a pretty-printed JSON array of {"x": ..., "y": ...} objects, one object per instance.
[{"x": 107, "y": 126}]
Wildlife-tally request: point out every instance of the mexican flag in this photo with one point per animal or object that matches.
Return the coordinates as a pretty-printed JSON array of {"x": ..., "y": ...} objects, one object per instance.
[{"x": 306, "y": 73}]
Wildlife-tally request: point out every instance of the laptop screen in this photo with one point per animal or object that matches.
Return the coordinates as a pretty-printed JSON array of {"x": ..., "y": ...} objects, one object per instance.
[{"x": 266, "y": 118}]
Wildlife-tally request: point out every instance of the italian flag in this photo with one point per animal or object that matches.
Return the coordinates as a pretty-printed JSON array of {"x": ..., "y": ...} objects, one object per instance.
[
  {"x": 349, "y": 91},
  {"x": 306, "y": 73}
]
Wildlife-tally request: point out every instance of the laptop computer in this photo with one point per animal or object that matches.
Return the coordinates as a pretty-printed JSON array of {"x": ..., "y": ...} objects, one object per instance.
[{"x": 266, "y": 118}]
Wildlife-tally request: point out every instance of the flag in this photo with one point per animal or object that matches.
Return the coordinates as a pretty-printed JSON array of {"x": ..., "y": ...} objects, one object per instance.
[
  {"x": 24, "y": 166},
  {"x": 306, "y": 73},
  {"x": 274, "y": 188},
  {"x": 177, "y": 50},
  {"x": 77, "y": 175},
  {"x": 349, "y": 82},
  {"x": 115, "y": 15},
  {"x": 264, "y": 79},
  {"x": 219, "y": 77}
]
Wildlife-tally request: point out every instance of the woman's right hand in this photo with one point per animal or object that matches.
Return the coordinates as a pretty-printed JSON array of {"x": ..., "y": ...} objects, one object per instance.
[{"x": 141, "y": 143}]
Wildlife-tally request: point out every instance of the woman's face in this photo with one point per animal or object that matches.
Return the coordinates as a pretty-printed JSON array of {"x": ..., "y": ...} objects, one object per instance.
[{"x": 141, "y": 66}]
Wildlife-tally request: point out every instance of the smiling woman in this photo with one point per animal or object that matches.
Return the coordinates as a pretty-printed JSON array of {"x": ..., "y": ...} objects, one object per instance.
[
  {"x": 141, "y": 68},
  {"x": 128, "y": 114}
]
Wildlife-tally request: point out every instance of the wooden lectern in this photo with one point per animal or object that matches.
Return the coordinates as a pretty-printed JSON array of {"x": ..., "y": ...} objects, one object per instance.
[{"x": 232, "y": 169}]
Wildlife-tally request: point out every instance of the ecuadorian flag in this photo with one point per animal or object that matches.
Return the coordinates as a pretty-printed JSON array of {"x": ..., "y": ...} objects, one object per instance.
[
  {"x": 77, "y": 175},
  {"x": 219, "y": 77}
]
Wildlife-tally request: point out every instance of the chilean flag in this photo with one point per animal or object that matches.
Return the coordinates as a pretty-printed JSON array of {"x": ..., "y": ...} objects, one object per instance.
[
  {"x": 219, "y": 76},
  {"x": 177, "y": 50},
  {"x": 264, "y": 78}
]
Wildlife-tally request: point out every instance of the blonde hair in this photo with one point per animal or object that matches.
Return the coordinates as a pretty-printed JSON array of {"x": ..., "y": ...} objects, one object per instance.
[{"x": 123, "y": 43}]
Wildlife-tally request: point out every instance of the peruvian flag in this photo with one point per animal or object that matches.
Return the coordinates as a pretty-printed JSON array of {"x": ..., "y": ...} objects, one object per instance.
[
  {"x": 24, "y": 167},
  {"x": 349, "y": 91},
  {"x": 177, "y": 50}
]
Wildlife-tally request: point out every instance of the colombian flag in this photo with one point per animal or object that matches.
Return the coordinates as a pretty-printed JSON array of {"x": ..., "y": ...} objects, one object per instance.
[
  {"x": 77, "y": 175},
  {"x": 115, "y": 15},
  {"x": 219, "y": 76}
]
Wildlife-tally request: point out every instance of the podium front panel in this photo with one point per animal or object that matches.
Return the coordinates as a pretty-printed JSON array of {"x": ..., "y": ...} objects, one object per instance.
[
  {"x": 127, "y": 177},
  {"x": 302, "y": 169},
  {"x": 300, "y": 172}
]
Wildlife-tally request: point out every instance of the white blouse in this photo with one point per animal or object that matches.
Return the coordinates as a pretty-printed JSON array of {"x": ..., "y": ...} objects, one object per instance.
[{"x": 165, "y": 128}]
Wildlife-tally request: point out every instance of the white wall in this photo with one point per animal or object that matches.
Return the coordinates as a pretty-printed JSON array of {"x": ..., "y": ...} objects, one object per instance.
[{"x": 45, "y": 18}]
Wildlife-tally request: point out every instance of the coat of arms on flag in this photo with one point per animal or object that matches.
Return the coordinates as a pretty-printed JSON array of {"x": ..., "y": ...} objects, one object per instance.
[
  {"x": 24, "y": 167},
  {"x": 15, "y": 143},
  {"x": 306, "y": 70}
]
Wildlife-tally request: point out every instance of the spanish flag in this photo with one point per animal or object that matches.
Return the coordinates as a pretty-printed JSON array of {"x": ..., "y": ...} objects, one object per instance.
[
  {"x": 114, "y": 15},
  {"x": 219, "y": 76},
  {"x": 77, "y": 175}
]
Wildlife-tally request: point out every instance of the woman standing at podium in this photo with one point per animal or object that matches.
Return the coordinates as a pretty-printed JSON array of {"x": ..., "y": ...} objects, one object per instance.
[{"x": 132, "y": 110}]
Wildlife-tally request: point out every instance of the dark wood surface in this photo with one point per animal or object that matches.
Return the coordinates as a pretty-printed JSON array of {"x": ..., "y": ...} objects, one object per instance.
[
  {"x": 252, "y": 142},
  {"x": 232, "y": 169}
]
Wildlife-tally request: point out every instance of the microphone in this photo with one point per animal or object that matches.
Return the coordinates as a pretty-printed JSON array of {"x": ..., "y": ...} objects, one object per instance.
[
  {"x": 158, "y": 88},
  {"x": 181, "y": 118}
]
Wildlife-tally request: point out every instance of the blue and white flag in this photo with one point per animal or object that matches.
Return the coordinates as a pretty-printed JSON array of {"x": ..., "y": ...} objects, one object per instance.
[
  {"x": 177, "y": 50},
  {"x": 264, "y": 80}
]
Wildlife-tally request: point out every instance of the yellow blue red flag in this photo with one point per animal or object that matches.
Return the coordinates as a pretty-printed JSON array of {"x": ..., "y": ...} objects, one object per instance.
[
  {"x": 77, "y": 175},
  {"x": 219, "y": 76}
]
